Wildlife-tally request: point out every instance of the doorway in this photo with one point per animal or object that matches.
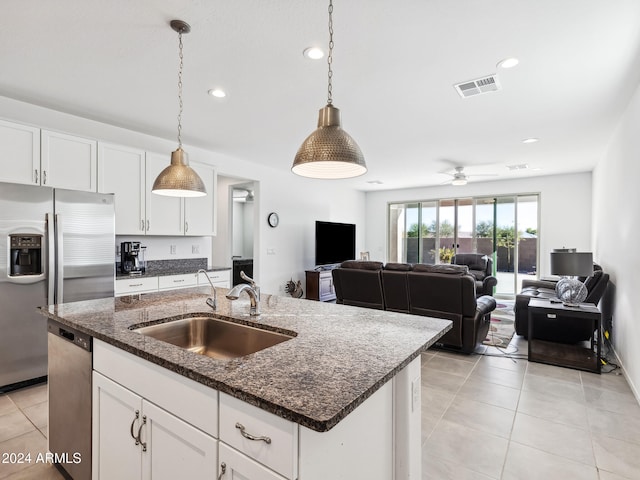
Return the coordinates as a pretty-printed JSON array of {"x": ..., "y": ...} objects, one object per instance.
[{"x": 504, "y": 228}]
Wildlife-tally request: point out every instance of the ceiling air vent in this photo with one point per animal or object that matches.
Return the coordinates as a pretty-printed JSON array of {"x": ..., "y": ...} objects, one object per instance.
[{"x": 471, "y": 88}]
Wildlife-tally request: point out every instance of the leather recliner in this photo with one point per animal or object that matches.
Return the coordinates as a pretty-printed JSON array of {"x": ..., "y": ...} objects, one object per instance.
[
  {"x": 560, "y": 329},
  {"x": 481, "y": 268},
  {"x": 442, "y": 291},
  {"x": 359, "y": 283},
  {"x": 448, "y": 291}
]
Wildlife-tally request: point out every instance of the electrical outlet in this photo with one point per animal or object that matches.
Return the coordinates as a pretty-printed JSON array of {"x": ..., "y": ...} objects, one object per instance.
[
  {"x": 195, "y": 248},
  {"x": 172, "y": 249},
  {"x": 271, "y": 251}
]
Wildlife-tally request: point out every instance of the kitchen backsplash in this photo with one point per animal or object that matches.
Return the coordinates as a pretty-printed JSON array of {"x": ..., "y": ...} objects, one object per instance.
[{"x": 169, "y": 248}]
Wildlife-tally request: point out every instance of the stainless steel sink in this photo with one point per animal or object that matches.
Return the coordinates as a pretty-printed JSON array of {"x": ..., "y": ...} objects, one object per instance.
[{"x": 213, "y": 337}]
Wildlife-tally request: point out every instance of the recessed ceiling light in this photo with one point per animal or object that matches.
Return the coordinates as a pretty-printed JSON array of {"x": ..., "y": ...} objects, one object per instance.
[
  {"x": 530, "y": 140},
  {"x": 314, "y": 53},
  {"x": 375, "y": 182},
  {"x": 508, "y": 62},
  {"x": 218, "y": 93}
]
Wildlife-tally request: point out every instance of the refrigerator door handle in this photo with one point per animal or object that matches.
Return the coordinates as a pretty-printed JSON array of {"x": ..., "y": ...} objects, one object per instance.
[
  {"x": 51, "y": 258},
  {"x": 60, "y": 259}
]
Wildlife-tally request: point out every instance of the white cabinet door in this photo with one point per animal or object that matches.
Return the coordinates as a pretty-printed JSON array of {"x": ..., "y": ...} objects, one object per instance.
[
  {"x": 165, "y": 215},
  {"x": 68, "y": 162},
  {"x": 200, "y": 212},
  {"x": 19, "y": 153},
  {"x": 117, "y": 416},
  {"x": 133, "y": 439},
  {"x": 232, "y": 465},
  {"x": 121, "y": 171},
  {"x": 175, "y": 449}
]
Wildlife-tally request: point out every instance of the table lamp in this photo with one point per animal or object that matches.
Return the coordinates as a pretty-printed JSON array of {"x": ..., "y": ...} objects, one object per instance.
[{"x": 569, "y": 264}]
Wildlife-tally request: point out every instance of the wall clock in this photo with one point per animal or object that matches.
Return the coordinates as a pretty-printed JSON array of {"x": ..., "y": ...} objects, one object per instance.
[{"x": 273, "y": 219}]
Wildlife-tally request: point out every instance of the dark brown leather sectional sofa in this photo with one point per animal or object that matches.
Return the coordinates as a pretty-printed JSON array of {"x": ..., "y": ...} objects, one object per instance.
[{"x": 442, "y": 291}]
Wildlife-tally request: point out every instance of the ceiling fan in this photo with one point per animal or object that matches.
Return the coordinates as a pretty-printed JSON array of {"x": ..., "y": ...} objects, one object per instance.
[{"x": 461, "y": 178}]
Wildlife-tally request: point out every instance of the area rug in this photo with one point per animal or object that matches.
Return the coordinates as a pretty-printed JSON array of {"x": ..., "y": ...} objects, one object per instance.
[{"x": 501, "y": 330}]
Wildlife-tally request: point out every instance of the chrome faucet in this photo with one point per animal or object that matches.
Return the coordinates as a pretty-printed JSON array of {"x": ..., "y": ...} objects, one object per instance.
[
  {"x": 252, "y": 290},
  {"x": 212, "y": 302},
  {"x": 252, "y": 282}
]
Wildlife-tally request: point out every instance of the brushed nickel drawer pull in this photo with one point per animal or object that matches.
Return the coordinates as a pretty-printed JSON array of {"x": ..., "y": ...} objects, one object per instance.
[
  {"x": 223, "y": 470},
  {"x": 131, "y": 428},
  {"x": 248, "y": 436},
  {"x": 144, "y": 444}
]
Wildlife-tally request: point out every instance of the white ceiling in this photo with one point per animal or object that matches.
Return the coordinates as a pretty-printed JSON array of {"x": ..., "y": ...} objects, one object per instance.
[{"x": 395, "y": 64}]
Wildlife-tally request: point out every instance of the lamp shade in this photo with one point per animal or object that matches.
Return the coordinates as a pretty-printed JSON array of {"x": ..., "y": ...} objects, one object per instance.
[
  {"x": 571, "y": 263},
  {"x": 179, "y": 179},
  {"x": 329, "y": 152}
]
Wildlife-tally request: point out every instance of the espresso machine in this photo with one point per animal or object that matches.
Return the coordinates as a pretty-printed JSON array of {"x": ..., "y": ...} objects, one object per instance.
[{"x": 132, "y": 258}]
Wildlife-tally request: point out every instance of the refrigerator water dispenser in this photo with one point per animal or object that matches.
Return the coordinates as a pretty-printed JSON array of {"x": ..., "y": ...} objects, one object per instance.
[{"x": 25, "y": 254}]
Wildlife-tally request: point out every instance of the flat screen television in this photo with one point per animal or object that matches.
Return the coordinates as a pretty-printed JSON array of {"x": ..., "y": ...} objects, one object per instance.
[{"x": 335, "y": 242}]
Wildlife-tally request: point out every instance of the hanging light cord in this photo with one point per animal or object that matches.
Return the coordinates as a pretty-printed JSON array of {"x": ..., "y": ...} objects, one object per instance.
[
  {"x": 180, "y": 90},
  {"x": 330, "y": 56}
]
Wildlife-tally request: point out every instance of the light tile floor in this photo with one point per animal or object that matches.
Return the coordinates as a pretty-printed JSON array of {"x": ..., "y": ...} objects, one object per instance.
[
  {"x": 483, "y": 417},
  {"x": 23, "y": 430},
  {"x": 493, "y": 417}
]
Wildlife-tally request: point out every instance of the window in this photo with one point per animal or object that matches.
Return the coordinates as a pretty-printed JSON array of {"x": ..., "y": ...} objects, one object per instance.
[{"x": 502, "y": 227}]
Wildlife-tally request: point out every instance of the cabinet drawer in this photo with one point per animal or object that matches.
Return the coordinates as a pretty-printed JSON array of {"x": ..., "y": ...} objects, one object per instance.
[
  {"x": 219, "y": 278},
  {"x": 280, "y": 454},
  {"x": 177, "y": 281},
  {"x": 136, "y": 285}
]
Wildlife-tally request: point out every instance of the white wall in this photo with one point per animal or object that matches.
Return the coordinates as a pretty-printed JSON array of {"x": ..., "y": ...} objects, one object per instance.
[
  {"x": 298, "y": 201},
  {"x": 565, "y": 210},
  {"x": 616, "y": 232}
]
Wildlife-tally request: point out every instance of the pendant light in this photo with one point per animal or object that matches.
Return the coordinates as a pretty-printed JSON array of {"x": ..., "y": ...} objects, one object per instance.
[
  {"x": 179, "y": 179},
  {"x": 329, "y": 152}
]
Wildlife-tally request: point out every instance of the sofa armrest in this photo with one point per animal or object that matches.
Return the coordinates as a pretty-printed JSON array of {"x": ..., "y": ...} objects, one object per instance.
[
  {"x": 485, "y": 304},
  {"x": 489, "y": 282}
]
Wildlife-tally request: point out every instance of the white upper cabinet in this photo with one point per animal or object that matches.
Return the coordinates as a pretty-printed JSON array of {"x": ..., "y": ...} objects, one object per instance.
[
  {"x": 68, "y": 162},
  {"x": 129, "y": 173},
  {"x": 121, "y": 170},
  {"x": 19, "y": 153},
  {"x": 165, "y": 215},
  {"x": 200, "y": 212}
]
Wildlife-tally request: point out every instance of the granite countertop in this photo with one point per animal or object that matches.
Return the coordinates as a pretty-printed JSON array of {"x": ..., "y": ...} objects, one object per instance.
[
  {"x": 339, "y": 357},
  {"x": 162, "y": 268}
]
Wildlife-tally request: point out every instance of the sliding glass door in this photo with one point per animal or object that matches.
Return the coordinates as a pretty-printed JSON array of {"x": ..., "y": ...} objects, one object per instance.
[{"x": 505, "y": 228}]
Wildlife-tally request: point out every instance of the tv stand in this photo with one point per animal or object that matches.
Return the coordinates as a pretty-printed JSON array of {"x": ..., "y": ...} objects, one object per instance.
[
  {"x": 322, "y": 268},
  {"x": 320, "y": 285}
]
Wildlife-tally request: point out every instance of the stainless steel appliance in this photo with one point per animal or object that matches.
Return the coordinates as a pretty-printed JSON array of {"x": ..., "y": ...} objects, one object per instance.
[
  {"x": 241, "y": 265},
  {"x": 55, "y": 246},
  {"x": 70, "y": 399},
  {"x": 132, "y": 258}
]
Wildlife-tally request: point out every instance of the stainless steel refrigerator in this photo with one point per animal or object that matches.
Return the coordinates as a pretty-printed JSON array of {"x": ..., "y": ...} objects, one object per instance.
[{"x": 56, "y": 246}]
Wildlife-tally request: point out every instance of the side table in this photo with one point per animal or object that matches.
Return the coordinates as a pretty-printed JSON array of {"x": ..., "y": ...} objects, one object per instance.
[{"x": 582, "y": 356}]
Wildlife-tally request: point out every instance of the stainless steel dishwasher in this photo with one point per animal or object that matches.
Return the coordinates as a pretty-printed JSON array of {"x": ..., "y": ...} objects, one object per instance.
[{"x": 70, "y": 400}]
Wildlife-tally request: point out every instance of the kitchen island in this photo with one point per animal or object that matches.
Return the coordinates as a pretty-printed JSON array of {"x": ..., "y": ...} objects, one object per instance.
[{"x": 343, "y": 393}]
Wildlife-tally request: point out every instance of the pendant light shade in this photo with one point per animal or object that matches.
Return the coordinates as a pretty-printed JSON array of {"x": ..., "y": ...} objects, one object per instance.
[
  {"x": 329, "y": 152},
  {"x": 179, "y": 179}
]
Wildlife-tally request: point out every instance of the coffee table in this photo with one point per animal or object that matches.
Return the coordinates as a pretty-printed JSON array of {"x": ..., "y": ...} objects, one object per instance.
[{"x": 582, "y": 356}]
